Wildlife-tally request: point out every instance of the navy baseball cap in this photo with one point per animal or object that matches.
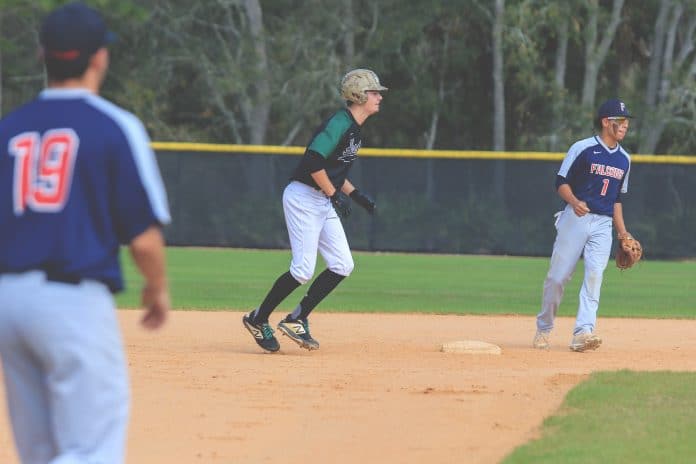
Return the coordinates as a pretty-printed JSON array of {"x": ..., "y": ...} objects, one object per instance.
[
  {"x": 72, "y": 33},
  {"x": 613, "y": 108}
]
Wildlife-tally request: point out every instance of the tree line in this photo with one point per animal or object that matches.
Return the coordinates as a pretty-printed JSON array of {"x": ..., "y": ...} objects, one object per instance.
[{"x": 463, "y": 74}]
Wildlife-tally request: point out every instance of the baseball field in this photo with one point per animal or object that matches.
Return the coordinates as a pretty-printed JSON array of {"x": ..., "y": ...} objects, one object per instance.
[{"x": 380, "y": 390}]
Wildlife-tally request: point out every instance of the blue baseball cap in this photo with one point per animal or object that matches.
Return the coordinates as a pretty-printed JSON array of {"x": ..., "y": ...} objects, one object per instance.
[
  {"x": 613, "y": 108},
  {"x": 72, "y": 33}
]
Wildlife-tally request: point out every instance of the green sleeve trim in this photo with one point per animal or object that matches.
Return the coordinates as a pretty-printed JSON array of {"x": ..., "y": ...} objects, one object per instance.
[{"x": 327, "y": 139}]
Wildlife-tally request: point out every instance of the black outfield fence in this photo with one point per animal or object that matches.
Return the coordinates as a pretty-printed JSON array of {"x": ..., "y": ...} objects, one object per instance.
[{"x": 438, "y": 202}]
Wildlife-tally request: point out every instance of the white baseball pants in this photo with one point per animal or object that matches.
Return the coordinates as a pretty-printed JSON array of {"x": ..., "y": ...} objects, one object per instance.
[
  {"x": 589, "y": 236},
  {"x": 314, "y": 225}
]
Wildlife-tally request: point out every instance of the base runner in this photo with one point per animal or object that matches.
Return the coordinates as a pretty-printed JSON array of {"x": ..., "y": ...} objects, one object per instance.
[{"x": 318, "y": 195}]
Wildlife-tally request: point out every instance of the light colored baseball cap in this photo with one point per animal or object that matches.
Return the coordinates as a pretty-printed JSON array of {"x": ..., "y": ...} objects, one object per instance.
[{"x": 357, "y": 82}]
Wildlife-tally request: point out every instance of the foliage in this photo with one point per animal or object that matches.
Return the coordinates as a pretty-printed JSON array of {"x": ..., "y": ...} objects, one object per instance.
[{"x": 206, "y": 71}]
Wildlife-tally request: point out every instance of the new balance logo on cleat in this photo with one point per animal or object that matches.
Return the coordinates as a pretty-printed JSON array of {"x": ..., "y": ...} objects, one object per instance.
[
  {"x": 262, "y": 333},
  {"x": 298, "y": 332},
  {"x": 296, "y": 327}
]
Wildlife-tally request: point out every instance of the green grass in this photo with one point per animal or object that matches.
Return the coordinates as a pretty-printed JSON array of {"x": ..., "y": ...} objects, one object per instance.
[
  {"x": 218, "y": 279},
  {"x": 620, "y": 417}
]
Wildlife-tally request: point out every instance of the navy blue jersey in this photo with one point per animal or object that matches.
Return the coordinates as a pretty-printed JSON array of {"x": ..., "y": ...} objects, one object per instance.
[
  {"x": 596, "y": 174},
  {"x": 77, "y": 179}
]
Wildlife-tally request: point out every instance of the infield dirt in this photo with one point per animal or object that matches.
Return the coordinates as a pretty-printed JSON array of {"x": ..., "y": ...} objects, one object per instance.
[{"x": 378, "y": 390}]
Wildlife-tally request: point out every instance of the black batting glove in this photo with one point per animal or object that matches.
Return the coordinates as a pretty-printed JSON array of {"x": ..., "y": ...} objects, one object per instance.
[
  {"x": 341, "y": 203},
  {"x": 363, "y": 200}
]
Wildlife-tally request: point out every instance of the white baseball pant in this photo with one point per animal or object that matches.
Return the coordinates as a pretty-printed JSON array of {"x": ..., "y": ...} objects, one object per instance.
[
  {"x": 64, "y": 370},
  {"x": 589, "y": 236},
  {"x": 314, "y": 225}
]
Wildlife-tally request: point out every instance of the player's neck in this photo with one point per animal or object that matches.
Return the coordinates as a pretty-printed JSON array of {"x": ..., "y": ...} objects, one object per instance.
[
  {"x": 72, "y": 84},
  {"x": 359, "y": 113},
  {"x": 609, "y": 140},
  {"x": 90, "y": 80}
]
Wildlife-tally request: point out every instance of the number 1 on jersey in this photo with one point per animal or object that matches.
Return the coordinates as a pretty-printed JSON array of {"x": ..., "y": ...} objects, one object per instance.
[
  {"x": 43, "y": 169},
  {"x": 605, "y": 186}
]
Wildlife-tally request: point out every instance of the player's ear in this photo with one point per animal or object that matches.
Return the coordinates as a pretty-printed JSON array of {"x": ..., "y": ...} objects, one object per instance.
[
  {"x": 99, "y": 63},
  {"x": 100, "y": 59}
]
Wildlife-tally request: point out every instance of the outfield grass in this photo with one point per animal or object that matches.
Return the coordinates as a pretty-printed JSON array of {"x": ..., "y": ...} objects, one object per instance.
[
  {"x": 620, "y": 417},
  {"x": 222, "y": 278}
]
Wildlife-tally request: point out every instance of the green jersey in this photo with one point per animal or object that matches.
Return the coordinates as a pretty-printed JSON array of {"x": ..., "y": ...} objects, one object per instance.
[{"x": 334, "y": 147}]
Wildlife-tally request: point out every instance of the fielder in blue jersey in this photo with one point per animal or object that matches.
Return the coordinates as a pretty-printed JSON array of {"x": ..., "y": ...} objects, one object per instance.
[
  {"x": 77, "y": 179},
  {"x": 591, "y": 180}
]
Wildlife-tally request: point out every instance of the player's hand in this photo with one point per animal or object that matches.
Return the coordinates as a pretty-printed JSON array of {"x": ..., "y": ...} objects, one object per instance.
[
  {"x": 363, "y": 200},
  {"x": 580, "y": 208},
  {"x": 157, "y": 304},
  {"x": 341, "y": 203}
]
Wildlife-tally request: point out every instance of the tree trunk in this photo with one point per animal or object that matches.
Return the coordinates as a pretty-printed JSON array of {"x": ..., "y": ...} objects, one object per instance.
[
  {"x": 498, "y": 78},
  {"x": 349, "y": 34},
  {"x": 559, "y": 81},
  {"x": 668, "y": 55},
  {"x": 431, "y": 136},
  {"x": 661, "y": 74},
  {"x": 561, "y": 53},
  {"x": 498, "y": 98},
  {"x": 261, "y": 105},
  {"x": 261, "y": 168},
  {"x": 656, "y": 54},
  {"x": 596, "y": 54}
]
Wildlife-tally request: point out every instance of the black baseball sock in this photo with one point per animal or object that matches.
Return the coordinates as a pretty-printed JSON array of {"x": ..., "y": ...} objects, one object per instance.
[
  {"x": 322, "y": 286},
  {"x": 282, "y": 287}
]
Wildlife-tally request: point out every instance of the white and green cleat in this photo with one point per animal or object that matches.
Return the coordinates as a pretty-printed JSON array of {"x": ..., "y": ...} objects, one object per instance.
[{"x": 298, "y": 332}]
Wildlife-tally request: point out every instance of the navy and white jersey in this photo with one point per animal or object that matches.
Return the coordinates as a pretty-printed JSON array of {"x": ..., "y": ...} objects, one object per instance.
[
  {"x": 596, "y": 174},
  {"x": 77, "y": 179}
]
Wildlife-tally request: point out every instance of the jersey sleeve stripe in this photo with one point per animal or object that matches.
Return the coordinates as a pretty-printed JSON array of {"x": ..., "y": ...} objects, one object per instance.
[
  {"x": 624, "y": 184},
  {"x": 143, "y": 156},
  {"x": 573, "y": 153}
]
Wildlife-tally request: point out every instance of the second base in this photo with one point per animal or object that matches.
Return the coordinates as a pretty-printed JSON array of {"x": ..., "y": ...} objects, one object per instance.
[{"x": 470, "y": 346}]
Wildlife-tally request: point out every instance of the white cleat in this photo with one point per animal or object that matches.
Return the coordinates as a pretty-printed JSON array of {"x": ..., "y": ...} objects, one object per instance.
[
  {"x": 585, "y": 341},
  {"x": 541, "y": 340}
]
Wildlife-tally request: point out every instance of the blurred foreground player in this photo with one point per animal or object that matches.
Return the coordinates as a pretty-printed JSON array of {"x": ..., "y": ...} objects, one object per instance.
[{"x": 77, "y": 179}]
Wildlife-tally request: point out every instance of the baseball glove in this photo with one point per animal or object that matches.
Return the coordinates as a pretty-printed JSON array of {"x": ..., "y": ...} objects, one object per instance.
[
  {"x": 341, "y": 204},
  {"x": 628, "y": 253}
]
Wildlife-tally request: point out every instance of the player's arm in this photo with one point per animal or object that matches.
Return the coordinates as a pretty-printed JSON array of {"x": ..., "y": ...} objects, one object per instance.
[
  {"x": 359, "y": 197},
  {"x": 140, "y": 210},
  {"x": 339, "y": 200},
  {"x": 320, "y": 149},
  {"x": 619, "y": 224},
  {"x": 347, "y": 187},
  {"x": 147, "y": 249},
  {"x": 567, "y": 171},
  {"x": 323, "y": 181},
  {"x": 566, "y": 193}
]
